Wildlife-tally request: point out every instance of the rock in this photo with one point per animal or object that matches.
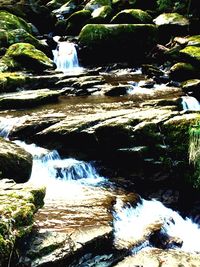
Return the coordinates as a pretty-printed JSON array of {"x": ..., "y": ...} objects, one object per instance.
[
  {"x": 17, "y": 207},
  {"x": 132, "y": 16},
  {"x": 76, "y": 21},
  {"x": 158, "y": 257},
  {"x": 182, "y": 71},
  {"x": 36, "y": 13},
  {"x": 118, "y": 90},
  {"x": 101, "y": 14},
  {"x": 11, "y": 22},
  {"x": 192, "y": 87},
  {"x": 117, "y": 43},
  {"x": 171, "y": 24},
  {"x": 15, "y": 162},
  {"x": 191, "y": 54},
  {"x": 10, "y": 81},
  {"x": 24, "y": 55},
  {"x": 27, "y": 99},
  {"x": 68, "y": 244},
  {"x": 8, "y": 38},
  {"x": 94, "y": 4},
  {"x": 67, "y": 9}
]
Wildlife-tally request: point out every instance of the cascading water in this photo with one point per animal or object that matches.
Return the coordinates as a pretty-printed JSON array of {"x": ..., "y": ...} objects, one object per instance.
[
  {"x": 190, "y": 103},
  {"x": 134, "y": 225},
  {"x": 65, "y": 57}
]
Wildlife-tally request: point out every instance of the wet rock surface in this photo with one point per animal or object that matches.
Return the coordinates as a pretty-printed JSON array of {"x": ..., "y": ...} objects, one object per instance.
[
  {"x": 156, "y": 258},
  {"x": 18, "y": 205},
  {"x": 15, "y": 162}
]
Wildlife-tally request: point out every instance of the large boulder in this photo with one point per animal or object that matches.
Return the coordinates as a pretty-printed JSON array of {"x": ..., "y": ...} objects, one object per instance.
[
  {"x": 132, "y": 16},
  {"x": 116, "y": 42},
  {"x": 15, "y": 162},
  {"x": 76, "y": 21},
  {"x": 171, "y": 24},
  {"x": 17, "y": 207},
  {"x": 191, "y": 54},
  {"x": 10, "y": 22},
  {"x": 9, "y": 37},
  {"x": 24, "y": 55},
  {"x": 182, "y": 71}
]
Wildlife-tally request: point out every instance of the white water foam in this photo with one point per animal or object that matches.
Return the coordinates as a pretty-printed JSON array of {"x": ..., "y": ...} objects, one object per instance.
[
  {"x": 130, "y": 223},
  {"x": 65, "y": 57},
  {"x": 7, "y": 124},
  {"x": 190, "y": 103},
  {"x": 60, "y": 176}
]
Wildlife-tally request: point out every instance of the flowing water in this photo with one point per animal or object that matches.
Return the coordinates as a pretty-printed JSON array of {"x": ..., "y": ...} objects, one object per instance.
[
  {"x": 65, "y": 57},
  {"x": 190, "y": 103}
]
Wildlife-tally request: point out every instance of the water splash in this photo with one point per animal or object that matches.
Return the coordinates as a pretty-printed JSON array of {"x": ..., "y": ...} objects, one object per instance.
[
  {"x": 133, "y": 225},
  {"x": 59, "y": 174},
  {"x": 190, "y": 103},
  {"x": 65, "y": 57},
  {"x": 7, "y": 124}
]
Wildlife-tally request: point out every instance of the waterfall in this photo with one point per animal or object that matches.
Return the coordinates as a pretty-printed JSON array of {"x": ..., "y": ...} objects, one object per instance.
[
  {"x": 190, "y": 103},
  {"x": 7, "y": 124},
  {"x": 131, "y": 224},
  {"x": 65, "y": 57},
  {"x": 59, "y": 175}
]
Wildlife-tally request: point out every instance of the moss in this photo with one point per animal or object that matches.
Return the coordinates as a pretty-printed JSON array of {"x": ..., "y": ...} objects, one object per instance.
[
  {"x": 194, "y": 40},
  {"x": 76, "y": 21},
  {"x": 171, "y": 18},
  {"x": 5, "y": 248},
  {"x": 38, "y": 195},
  {"x": 182, "y": 71},
  {"x": 11, "y": 81},
  {"x": 132, "y": 16},
  {"x": 21, "y": 55},
  {"x": 192, "y": 54},
  {"x": 10, "y": 22},
  {"x": 101, "y": 14},
  {"x": 94, "y": 4}
]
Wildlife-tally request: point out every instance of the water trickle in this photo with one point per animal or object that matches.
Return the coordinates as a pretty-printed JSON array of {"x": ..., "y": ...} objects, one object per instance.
[
  {"x": 7, "y": 124},
  {"x": 133, "y": 225},
  {"x": 65, "y": 57},
  {"x": 190, "y": 103}
]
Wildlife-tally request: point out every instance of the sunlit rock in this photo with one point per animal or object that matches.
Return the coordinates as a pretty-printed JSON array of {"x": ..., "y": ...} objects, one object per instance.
[
  {"x": 152, "y": 257},
  {"x": 134, "y": 16},
  {"x": 171, "y": 24},
  {"x": 101, "y": 14},
  {"x": 15, "y": 162},
  {"x": 29, "y": 98},
  {"x": 21, "y": 55},
  {"x": 191, "y": 54}
]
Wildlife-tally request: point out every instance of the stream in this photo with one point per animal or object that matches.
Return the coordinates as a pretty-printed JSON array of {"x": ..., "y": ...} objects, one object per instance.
[{"x": 80, "y": 200}]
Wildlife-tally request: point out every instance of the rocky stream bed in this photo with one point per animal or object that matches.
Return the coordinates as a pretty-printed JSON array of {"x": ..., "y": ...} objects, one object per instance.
[{"x": 99, "y": 133}]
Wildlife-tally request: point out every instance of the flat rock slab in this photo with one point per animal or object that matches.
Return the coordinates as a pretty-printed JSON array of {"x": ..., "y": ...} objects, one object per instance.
[
  {"x": 27, "y": 99},
  {"x": 157, "y": 257},
  {"x": 70, "y": 221}
]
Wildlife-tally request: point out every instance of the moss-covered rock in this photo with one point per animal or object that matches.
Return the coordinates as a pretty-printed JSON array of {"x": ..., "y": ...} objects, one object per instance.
[
  {"x": 76, "y": 21},
  {"x": 10, "y": 81},
  {"x": 24, "y": 55},
  {"x": 171, "y": 24},
  {"x": 191, "y": 54},
  {"x": 15, "y": 162},
  {"x": 17, "y": 207},
  {"x": 8, "y": 38},
  {"x": 94, "y": 4},
  {"x": 182, "y": 71},
  {"x": 101, "y": 15},
  {"x": 115, "y": 43},
  {"x": 10, "y": 22},
  {"x": 133, "y": 16},
  {"x": 172, "y": 6}
]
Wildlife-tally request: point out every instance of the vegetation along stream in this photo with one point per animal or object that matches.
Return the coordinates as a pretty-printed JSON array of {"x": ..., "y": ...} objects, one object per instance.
[{"x": 99, "y": 133}]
